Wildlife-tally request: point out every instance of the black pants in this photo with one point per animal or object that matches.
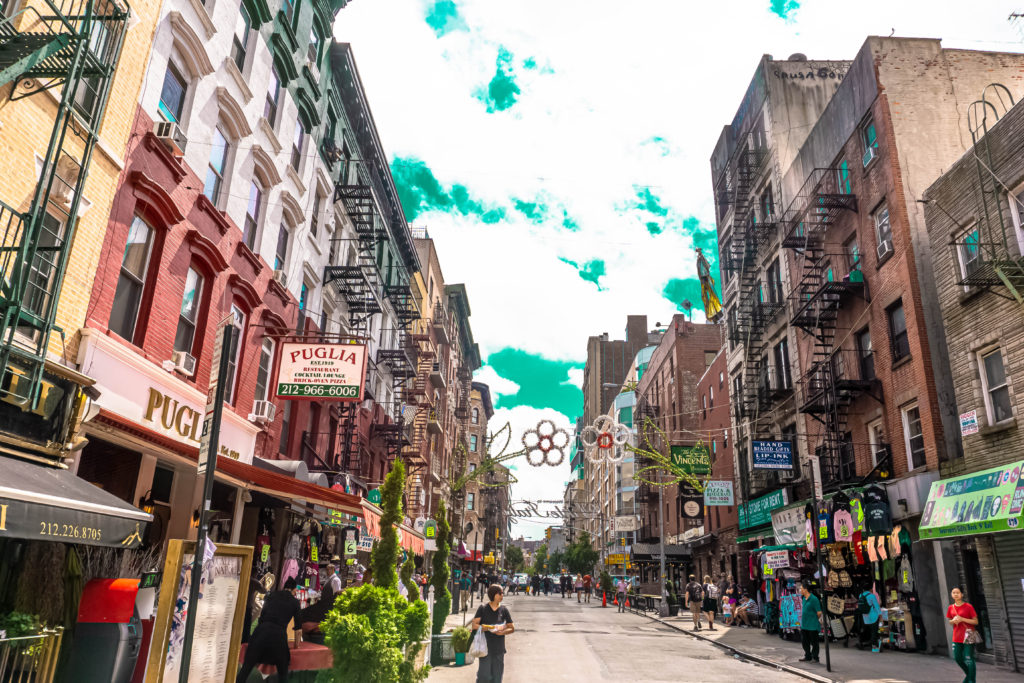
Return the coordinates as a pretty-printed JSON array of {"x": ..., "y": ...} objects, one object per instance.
[
  {"x": 492, "y": 668},
  {"x": 268, "y": 645},
  {"x": 809, "y": 639},
  {"x": 868, "y": 636}
]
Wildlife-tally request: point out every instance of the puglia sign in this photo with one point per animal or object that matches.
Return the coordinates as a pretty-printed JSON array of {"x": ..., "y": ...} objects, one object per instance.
[{"x": 335, "y": 372}]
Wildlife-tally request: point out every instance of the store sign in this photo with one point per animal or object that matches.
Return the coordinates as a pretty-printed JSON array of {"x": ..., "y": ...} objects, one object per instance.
[
  {"x": 718, "y": 493},
  {"x": 776, "y": 559},
  {"x": 772, "y": 455},
  {"x": 143, "y": 393},
  {"x": 789, "y": 525},
  {"x": 615, "y": 558},
  {"x": 41, "y": 522},
  {"x": 979, "y": 503},
  {"x": 758, "y": 512},
  {"x": 969, "y": 423},
  {"x": 334, "y": 372},
  {"x": 627, "y": 523},
  {"x": 374, "y": 496},
  {"x": 691, "y": 459}
]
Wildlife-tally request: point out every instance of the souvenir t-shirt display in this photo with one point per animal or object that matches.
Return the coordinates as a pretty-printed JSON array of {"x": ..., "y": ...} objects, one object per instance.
[
  {"x": 877, "y": 518},
  {"x": 842, "y": 522}
]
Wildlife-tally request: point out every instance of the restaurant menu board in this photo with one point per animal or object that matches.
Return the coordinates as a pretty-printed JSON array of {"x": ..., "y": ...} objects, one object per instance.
[{"x": 219, "y": 617}]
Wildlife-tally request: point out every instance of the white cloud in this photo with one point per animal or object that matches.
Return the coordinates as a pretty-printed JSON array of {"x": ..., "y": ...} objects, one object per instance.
[
  {"x": 575, "y": 377},
  {"x": 498, "y": 385}
]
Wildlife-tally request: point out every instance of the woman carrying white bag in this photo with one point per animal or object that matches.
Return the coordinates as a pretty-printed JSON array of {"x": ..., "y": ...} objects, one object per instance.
[{"x": 495, "y": 622}]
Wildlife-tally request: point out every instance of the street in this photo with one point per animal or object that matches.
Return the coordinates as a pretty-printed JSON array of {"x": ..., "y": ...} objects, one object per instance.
[{"x": 560, "y": 640}]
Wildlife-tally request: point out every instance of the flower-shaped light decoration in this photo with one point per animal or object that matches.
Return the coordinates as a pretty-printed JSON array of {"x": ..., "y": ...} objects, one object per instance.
[
  {"x": 544, "y": 440},
  {"x": 605, "y": 440}
]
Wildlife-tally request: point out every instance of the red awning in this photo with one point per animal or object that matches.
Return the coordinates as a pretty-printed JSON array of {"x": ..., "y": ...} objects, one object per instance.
[
  {"x": 272, "y": 483},
  {"x": 407, "y": 538}
]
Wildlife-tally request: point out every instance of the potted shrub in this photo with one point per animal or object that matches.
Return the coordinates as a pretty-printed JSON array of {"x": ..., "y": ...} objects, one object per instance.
[
  {"x": 461, "y": 638},
  {"x": 673, "y": 601}
]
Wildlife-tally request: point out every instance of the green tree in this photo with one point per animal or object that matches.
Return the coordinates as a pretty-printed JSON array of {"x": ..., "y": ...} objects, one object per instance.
[
  {"x": 384, "y": 556},
  {"x": 540, "y": 559},
  {"x": 407, "y": 571},
  {"x": 442, "y": 572},
  {"x": 555, "y": 561},
  {"x": 580, "y": 557},
  {"x": 375, "y": 634},
  {"x": 514, "y": 558}
]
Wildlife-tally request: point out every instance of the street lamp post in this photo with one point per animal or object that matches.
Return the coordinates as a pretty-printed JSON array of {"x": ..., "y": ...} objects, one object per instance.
[{"x": 663, "y": 605}]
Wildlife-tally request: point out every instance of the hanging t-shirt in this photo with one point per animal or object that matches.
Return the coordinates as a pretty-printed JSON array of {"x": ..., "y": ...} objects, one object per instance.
[
  {"x": 906, "y": 575},
  {"x": 858, "y": 547},
  {"x": 809, "y": 536},
  {"x": 877, "y": 518},
  {"x": 872, "y": 555},
  {"x": 291, "y": 549},
  {"x": 824, "y": 513},
  {"x": 857, "y": 512},
  {"x": 881, "y": 547},
  {"x": 842, "y": 522},
  {"x": 894, "y": 540}
]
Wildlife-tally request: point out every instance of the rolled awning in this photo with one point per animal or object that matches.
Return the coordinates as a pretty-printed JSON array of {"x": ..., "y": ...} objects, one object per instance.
[
  {"x": 51, "y": 504},
  {"x": 980, "y": 503}
]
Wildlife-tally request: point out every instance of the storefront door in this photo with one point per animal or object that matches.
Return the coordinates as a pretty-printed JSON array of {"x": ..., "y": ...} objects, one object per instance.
[{"x": 976, "y": 592}]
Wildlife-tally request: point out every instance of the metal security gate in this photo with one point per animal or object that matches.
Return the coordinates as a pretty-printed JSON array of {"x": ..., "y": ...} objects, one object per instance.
[{"x": 1009, "y": 547}]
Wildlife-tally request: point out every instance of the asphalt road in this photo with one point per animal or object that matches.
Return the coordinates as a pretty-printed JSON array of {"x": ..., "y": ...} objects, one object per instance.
[{"x": 559, "y": 640}]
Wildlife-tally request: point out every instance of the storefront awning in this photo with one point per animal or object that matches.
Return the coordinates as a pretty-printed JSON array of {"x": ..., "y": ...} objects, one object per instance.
[
  {"x": 762, "y": 533},
  {"x": 407, "y": 538},
  {"x": 50, "y": 504},
  {"x": 980, "y": 503},
  {"x": 283, "y": 485}
]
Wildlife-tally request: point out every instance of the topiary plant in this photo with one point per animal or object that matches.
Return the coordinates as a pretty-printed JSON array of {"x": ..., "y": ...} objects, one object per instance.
[
  {"x": 442, "y": 596},
  {"x": 606, "y": 582},
  {"x": 461, "y": 637},
  {"x": 407, "y": 570},
  {"x": 384, "y": 556}
]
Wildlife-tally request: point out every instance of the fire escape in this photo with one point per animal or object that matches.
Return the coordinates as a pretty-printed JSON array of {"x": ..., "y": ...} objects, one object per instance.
[
  {"x": 415, "y": 452},
  {"x": 984, "y": 251},
  {"x": 836, "y": 376},
  {"x": 72, "y": 46}
]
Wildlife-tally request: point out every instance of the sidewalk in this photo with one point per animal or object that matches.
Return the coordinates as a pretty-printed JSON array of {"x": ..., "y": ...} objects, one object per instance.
[{"x": 848, "y": 664}]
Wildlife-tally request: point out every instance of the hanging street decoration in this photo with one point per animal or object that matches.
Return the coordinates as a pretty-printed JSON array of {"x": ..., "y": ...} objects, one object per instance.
[
  {"x": 544, "y": 440},
  {"x": 487, "y": 474},
  {"x": 681, "y": 464},
  {"x": 605, "y": 440}
]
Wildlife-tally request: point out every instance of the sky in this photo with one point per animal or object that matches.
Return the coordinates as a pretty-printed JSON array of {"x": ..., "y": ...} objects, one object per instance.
[{"x": 557, "y": 151}]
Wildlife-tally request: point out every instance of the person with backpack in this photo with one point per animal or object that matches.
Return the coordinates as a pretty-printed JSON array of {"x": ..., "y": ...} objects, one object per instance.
[
  {"x": 694, "y": 600},
  {"x": 710, "y": 605},
  {"x": 869, "y": 610}
]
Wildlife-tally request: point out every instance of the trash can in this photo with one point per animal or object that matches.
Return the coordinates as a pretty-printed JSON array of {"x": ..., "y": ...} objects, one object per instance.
[{"x": 108, "y": 634}]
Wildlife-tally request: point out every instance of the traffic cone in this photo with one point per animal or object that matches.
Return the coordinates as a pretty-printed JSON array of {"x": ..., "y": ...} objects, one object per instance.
[
  {"x": 627, "y": 603},
  {"x": 615, "y": 600},
  {"x": 604, "y": 599}
]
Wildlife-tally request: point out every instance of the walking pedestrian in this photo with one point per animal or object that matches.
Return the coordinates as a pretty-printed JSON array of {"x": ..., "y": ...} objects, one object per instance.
[
  {"x": 620, "y": 594},
  {"x": 562, "y": 585},
  {"x": 710, "y": 605},
  {"x": 694, "y": 600},
  {"x": 964, "y": 620},
  {"x": 535, "y": 585},
  {"x": 810, "y": 623},
  {"x": 578, "y": 585},
  {"x": 588, "y": 585},
  {"x": 496, "y": 622},
  {"x": 269, "y": 642},
  {"x": 869, "y": 610},
  {"x": 466, "y": 590}
]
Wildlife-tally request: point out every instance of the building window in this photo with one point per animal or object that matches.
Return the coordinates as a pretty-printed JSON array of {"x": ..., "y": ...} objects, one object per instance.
[
  {"x": 767, "y": 204},
  {"x": 774, "y": 277},
  {"x": 476, "y": 416},
  {"x": 313, "y": 50},
  {"x": 876, "y": 438},
  {"x": 286, "y": 423},
  {"x": 132, "y": 280},
  {"x": 172, "y": 95},
  {"x": 217, "y": 165},
  {"x": 314, "y": 223},
  {"x": 184, "y": 337},
  {"x": 783, "y": 378},
  {"x": 252, "y": 214},
  {"x": 913, "y": 436},
  {"x": 263, "y": 373},
  {"x": 869, "y": 139},
  {"x": 883, "y": 230},
  {"x": 852, "y": 249},
  {"x": 234, "y": 352},
  {"x": 273, "y": 94},
  {"x": 470, "y": 501},
  {"x": 866, "y": 355},
  {"x": 298, "y": 140},
  {"x": 290, "y": 13},
  {"x": 969, "y": 253},
  {"x": 997, "y": 392},
  {"x": 789, "y": 434},
  {"x": 898, "y": 332},
  {"x": 303, "y": 300},
  {"x": 711, "y": 396},
  {"x": 472, "y": 442},
  {"x": 843, "y": 177},
  {"x": 721, "y": 379},
  {"x": 725, "y": 439},
  {"x": 472, "y": 467},
  {"x": 281, "y": 253},
  {"x": 240, "y": 41},
  {"x": 709, "y": 358}
]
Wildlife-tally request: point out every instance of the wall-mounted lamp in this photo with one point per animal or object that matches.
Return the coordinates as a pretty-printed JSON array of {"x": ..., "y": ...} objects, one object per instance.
[
  {"x": 195, "y": 519},
  {"x": 146, "y": 502}
]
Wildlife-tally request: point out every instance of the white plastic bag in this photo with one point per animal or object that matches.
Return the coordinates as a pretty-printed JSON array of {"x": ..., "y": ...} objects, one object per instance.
[{"x": 478, "y": 648}]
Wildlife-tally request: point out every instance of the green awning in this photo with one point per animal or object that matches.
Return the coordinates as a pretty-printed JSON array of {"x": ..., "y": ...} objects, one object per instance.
[
  {"x": 784, "y": 546},
  {"x": 761, "y": 533},
  {"x": 980, "y": 503}
]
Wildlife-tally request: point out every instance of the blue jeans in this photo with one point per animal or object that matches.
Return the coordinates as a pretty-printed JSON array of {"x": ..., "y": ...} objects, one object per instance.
[{"x": 491, "y": 668}]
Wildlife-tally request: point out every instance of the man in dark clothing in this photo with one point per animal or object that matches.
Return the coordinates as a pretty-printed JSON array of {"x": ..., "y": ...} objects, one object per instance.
[
  {"x": 810, "y": 623},
  {"x": 497, "y": 623},
  {"x": 269, "y": 642}
]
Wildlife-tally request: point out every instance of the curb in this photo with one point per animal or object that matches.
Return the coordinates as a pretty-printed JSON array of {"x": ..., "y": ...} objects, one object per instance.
[{"x": 746, "y": 655}]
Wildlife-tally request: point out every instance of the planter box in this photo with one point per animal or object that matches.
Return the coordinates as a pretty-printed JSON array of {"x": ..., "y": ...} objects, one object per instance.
[{"x": 441, "y": 649}]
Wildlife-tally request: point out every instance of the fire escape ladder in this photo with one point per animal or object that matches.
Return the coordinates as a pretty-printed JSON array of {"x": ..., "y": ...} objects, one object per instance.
[{"x": 74, "y": 46}]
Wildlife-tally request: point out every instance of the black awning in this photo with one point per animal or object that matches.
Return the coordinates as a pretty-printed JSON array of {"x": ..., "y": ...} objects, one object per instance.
[
  {"x": 652, "y": 551},
  {"x": 50, "y": 504}
]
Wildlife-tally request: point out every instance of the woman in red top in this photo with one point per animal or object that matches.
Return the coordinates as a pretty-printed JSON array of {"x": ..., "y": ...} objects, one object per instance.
[{"x": 963, "y": 619}]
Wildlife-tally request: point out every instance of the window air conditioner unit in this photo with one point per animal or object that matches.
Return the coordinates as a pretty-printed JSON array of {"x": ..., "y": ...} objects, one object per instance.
[
  {"x": 170, "y": 134},
  {"x": 185, "y": 363},
  {"x": 884, "y": 249},
  {"x": 281, "y": 278},
  {"x": 870, "y": 155},
  {"x": 262, "y": 411}
]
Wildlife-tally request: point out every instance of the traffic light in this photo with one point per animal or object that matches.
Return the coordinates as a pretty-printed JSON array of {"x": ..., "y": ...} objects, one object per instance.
[{"x": 547, "y": 533}]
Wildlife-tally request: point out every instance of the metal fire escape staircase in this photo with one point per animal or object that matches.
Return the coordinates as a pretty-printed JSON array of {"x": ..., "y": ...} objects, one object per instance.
[
  {"x": 988, "y": 262},
  {"x": 71, "y": 45},
  {"x": 829, "y": 385}
]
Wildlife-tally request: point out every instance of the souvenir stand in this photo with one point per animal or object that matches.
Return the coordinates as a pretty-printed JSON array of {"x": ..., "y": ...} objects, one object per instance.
[{"x": 777, "y": 571}]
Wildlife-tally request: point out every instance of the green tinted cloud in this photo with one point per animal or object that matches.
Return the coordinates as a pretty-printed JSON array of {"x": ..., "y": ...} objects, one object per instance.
[
  {"x": 591, "y": 271},
  {"x": 542, "y": 382},
  {"x": 784, "y": 8},
  {"x": 443, "y": 16},
  {"x": 421, "y": 192},
  {"x": 677, "y": 291},
  {"x": 503, "y": 90}
]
